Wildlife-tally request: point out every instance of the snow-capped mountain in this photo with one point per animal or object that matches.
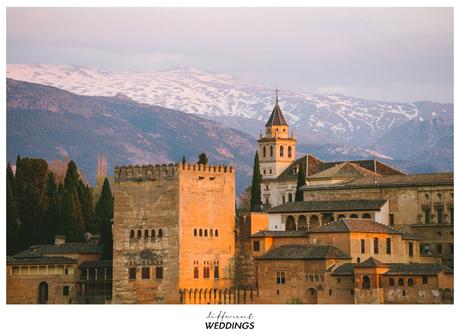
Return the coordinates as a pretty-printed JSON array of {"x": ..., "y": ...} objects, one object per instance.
[{"x": 240, "y": 104}]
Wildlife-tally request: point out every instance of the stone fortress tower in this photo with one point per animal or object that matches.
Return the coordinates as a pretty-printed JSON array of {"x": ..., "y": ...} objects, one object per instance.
[{"x": 173, "y": 230}]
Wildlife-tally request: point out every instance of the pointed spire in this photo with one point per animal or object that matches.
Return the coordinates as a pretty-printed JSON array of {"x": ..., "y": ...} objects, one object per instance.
[
  {"x": 276, "y": 94},
  {"x": 277, "y": 117}
]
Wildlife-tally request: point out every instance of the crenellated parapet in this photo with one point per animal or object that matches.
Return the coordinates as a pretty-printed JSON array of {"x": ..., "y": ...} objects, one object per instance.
[{"x": 152, "y": 172}]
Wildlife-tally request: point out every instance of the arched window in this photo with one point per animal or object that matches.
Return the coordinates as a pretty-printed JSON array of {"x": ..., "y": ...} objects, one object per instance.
[
  {"x": 139, "y": 233},
  {"x": 43, "y": 293},
  {"x": 354, "y": 216},
  {"x": 391, "y": 282},
  {"x": 281, "y": 151},
  {"x": 146, "y": 233},
  {"x": 131, "y": 233},
  {"x": 153, "y": 233},
  {"x": 160, "y": 233},
  {"x": 205, "y": 232},
  {"x": 195, "y": 233},
  {"x": 314, "y": 221},
  {"x": 271, "y": 150},
  {"x": 302, "y": 222},
  {"x": 264, "y": 152},
  {"x": 366, "y": 216},
  {"x": 216, "y": 233},
  {"x": 341, "y": 216},
  {"x": 290, "y": 197},
  {"x": 400, "y": 282},
  {"x": 410, "y": 282},
  {"x": 201, "y": 232},
  {"x": 289, "y": 152},
  {"x": 211, "y": 232},
  {"x": 290, "y": 223},
  {"x": 196, "y": 272},
  {"x": 366, "y": 282}
]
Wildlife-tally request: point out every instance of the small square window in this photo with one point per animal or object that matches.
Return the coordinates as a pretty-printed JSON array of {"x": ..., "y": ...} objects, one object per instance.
[
  {"x": 281, "y": 277},
  {"x": 256, "y": 246}
]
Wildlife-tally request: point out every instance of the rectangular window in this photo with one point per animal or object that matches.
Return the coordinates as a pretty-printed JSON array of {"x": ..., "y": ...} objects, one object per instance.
[
  {"x": 159, "y": 272},
  {"x": 411, "y": 249},
  {"x": 425, "y": 279},
  {"x": 264, "y": 171},
  {"x": 216, "y": 272},
  {"x": 451, "y": 249},
  {"x": 196, "y": 272},
  {"x": 281, "y": 277},
  {"x": 206, "y": 271},
  {"x": 376, "y": 245},
  {"x": 440, "y": 215},
  {"x": 270, "y": 171},
  {"x": 132, "y": 273},
  {"x": 389, "y": 246},
  {"x": 256, "y": 246},
  {"x": 392, "y": 219},
  {"x": 363, "y": 246},
  {"x": 65, "y": 290},
  {"x": 146, "y": 273},
  {"x": 439, "y": 249},
  {"x": 284, "y": 199},
  {"x": 427, "y": 216},
  {"x": 451, "y": 216}
]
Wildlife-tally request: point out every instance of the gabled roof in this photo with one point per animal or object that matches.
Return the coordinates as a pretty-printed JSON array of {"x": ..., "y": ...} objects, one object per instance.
[
  {"x": 41, "y": 260},
  {"x": 301, "y": 251},
  {"x": 334, "y": 205},
  {"x": 344, "y": 170},
  {"x": 277, "y": 117},
  {"x": 371, "y": 262},
  {"x": 280, "y": 233},
  {"x": 347, "y": 269},
  {"x": 41, "y": 250},
  {"x": 355, "y": 225}
]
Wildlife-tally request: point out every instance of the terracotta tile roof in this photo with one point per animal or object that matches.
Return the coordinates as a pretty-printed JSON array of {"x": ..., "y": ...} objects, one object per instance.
[
  {"x": 335, "y": 205},
  {"x": 41, "y": 250},
  {"x": 280, "y": 233},
  {"x": 345, "y": 269},
  {"x": 343, "y": 170},
  {"x": 302, "y": 251},
  {"x": 397, "y": 269},
  {"x": 371, "y": 262},
  {"x": 355, "y": 225},
  {"x": 41, "y": 260}
]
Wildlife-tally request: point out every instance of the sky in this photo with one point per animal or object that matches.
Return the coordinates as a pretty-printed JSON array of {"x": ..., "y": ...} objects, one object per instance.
[{"x": 391, "y": 54}]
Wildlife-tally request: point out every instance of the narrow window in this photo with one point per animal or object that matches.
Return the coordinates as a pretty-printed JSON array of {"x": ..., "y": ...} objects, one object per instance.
[
  {"x": 264, "y": 171},
  {"x": 153, "y": 233},
  {"x": 206, "y": 272},
  {"x": 211, "y": 232},
  {"x": 410, "y": 282},
  {"x": 290, "y": 197},
  {"x": 159, "y": 272},
  {"x": 452, "y": 216},
  {"x": 425, "y": 279},
  {"x": 376, "y": 245},
  {"x": 160, "y": 233},
  {"x": 256, "y": 246},
  {"x": 281, "y": 151},
  {"x": 392, "y": 219},
  {"x": 146, "y": 273},
  {"x": 132, "y": 273},
  {"x": 201, "y": 232},
  {"x": 366, "y": 282},
  {"x": 65, "y": 291},
  {"x": 388, "y": 246},
  {"x": 439, "y": 249},
  {"x": 205, "y": 232},
  {"x": 392, "y": 282},
  {"x": 216, "y": 272},
  {"x": 280, "y": 277},
  {"x": 411, "y": 249},
  {"x": 264, "y": 152},
  {"x": 284, "y": 199},
  {"x": 289, "y": 152},
  {"x": 131, "y": 234},
  {"x": 196, "y": 272},
  {"x": 363, "y": 246},
  {"x": 146, "y": 233},
  {"x": 440, "y": 215},
  {"x": 195, "y": 233},
  {"x": 400, "y": 282},
  {"x": 216, "y": 233},
  {"x": 427, "y": 216},
  {"x": 139, "y": 233},
  {"x": 271, "y": 151}
]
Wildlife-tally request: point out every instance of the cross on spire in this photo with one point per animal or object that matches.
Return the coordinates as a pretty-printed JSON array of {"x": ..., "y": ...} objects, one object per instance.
[{"x": 276, "y": 93}]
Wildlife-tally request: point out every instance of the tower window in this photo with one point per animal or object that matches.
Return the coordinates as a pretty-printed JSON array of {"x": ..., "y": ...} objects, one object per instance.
[
  {"x": 211, "y": 232},
  {"x": 281, "y": 151},
  {"x": 160, "y": 233},
  {"x": 195, "y": 233},
  {"x": 427, "y": 216},
  {"x": 201, "y": 232},
  {"x": 153, "y": 233},
  {"x": 131, "y": 234},
  {"x": 206, "y": 272},
  {"x": 388, "y": 245},
  {"x": 363, "y": 250},
  {"x": 205, "y": 232},
  {"x": 411, "y": 249},
  {"x": 440, "y": 215},
  {"x": 216, "y": 272},
  {"x": 289, "y": 152},
  {"x": 159, "y": 272},
  {"x": 195, "y": 272},
  {"x": 271, "y": 151},
  {"x": 139, "y": 233},
  {"x": 376, "y": 245},
  {"x": 132, "y": 273},
  {"x": 146, "y": 273},
  {"x": 264, "y": 152},
  {"x": 216, "y": 233},
  {"x": 146, "y": 233}
]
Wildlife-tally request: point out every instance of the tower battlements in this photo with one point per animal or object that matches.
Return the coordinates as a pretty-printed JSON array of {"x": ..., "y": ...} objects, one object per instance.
[{"x": 152, "y": 172}]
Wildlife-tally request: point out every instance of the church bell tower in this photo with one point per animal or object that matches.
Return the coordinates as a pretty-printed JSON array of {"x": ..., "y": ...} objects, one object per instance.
[{"x": 277, "y": 149}]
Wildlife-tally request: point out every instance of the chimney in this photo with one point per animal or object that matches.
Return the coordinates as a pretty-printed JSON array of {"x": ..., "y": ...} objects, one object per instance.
[{"x": 59, "y": 240}]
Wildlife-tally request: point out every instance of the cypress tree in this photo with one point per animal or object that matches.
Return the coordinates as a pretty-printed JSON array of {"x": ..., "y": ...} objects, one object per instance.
[
  {"x": 12, "y": 226},
  {"x": 70, "y": 225},
  {"x": 86, "y": 204},
  {"x": 183, "y": 160},
  {"x": 202, "y": 159},
  {"x": 256, "y": 201},
  {"x": 72, "y": 178},
  {"x": 104, "y": 216},
  {"x": 300, "y": 182}
]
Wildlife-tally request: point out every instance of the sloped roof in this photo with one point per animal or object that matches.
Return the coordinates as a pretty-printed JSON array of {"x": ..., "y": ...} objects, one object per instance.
[
  {"x": 41, "y": 260},
  {"x": 343, "y": 170},
  {"x": 355, "y": 225},
  {"x": 299, "y": 251},
  {"x": 280, "y": 233},
  {"x": 371, "y": 262},
  {"x": 97, "y": 264},
  {"x": 41, "y": 250},
  {"x": 335, "y": 205},
  {"x": 397, "y": 269},
  {"x": 276, "y": 118},
  {"x": 344, "y": 269}
]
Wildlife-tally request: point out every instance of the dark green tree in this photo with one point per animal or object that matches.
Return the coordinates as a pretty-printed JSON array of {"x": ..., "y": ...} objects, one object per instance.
[
  {"x": 72, "y": 178},
  {"x": 300, "y": 182},
  {"x": 71, "y": 223},
  {"x": 12, "y": 225},
  {"x": 104, "y": 216},
  {"x": 256, "y": 200},
  {"x": 183, "y": 160},
  {"x": 203, "y": 159},
  {"x": 86, "y": 204},
  {"x": 52, "y": 219}
]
